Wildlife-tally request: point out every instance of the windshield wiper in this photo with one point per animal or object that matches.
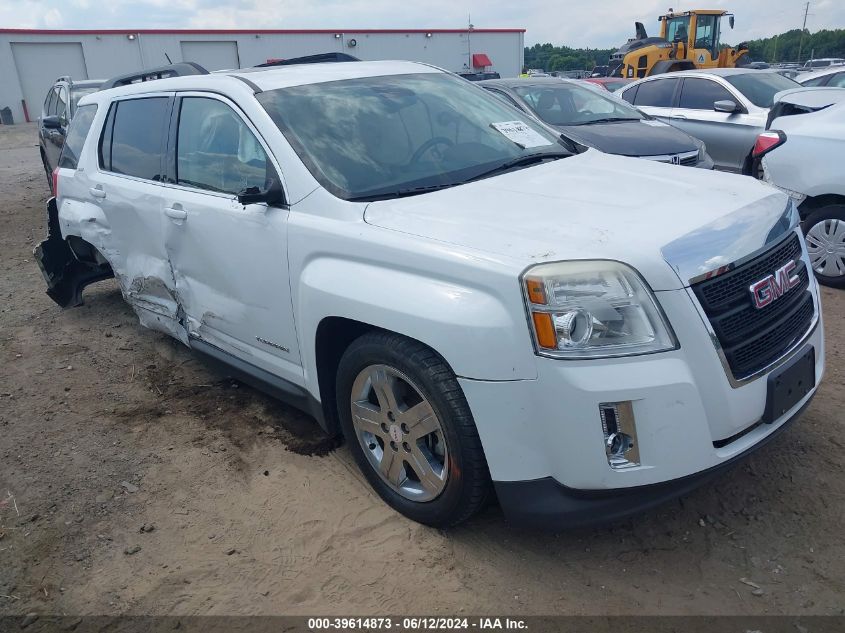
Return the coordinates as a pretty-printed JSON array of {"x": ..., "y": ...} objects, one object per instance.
[
  {"x": 401, "y": 193},
  {"x": 521, "y": 161},
  {"x": 610, "y": 119}
]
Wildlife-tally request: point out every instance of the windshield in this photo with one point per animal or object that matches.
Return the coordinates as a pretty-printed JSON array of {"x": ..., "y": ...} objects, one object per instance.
[
  {"x": 77, "y": 93},
  {"x": 402, "y": 133},
  {"x": 760, "y": 88},
  {"x": 571, "y": 104}
]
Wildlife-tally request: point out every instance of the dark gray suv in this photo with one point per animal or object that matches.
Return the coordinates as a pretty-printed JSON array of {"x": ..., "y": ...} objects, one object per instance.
[{"x": 59, "y": 108}]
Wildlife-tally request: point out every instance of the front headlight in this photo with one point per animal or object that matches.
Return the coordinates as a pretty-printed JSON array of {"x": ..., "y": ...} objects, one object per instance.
[{"x": 593, "y": 309}]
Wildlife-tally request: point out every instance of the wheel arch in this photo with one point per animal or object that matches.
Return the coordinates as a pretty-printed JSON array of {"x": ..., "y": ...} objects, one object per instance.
[
  {"x": 334, "y": 335},
  {"x": 813, "y": 203}
]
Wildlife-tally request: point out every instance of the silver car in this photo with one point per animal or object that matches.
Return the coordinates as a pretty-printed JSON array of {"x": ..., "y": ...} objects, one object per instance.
[
  {"x": 830, "y": 77},
  {"x": 724, "y": 107}
]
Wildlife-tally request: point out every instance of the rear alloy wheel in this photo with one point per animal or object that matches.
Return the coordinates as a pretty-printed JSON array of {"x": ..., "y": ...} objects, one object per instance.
[
  {"x": 409, "y": 427},
  {"x": 825, "y": 235}
]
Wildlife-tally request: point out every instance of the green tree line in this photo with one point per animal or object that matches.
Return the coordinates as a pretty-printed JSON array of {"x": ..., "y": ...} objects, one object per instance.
[
  {"x": 778, "y": 48},
  {"x": 784, "y": 47}
]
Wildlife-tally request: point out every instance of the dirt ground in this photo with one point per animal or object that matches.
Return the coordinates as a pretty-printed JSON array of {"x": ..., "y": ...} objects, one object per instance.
[{"x": 135, "y": 480}]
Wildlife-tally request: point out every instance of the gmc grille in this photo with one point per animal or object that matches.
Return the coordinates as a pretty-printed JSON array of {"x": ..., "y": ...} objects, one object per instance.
[{"x": 752, "y": 338}]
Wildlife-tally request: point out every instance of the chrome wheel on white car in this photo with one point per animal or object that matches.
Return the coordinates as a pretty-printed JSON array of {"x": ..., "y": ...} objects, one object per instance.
[
  {"x": 399, "y": 433},
  {"x": 825, "y": 235},
  {"x": 409, "y": 427}
]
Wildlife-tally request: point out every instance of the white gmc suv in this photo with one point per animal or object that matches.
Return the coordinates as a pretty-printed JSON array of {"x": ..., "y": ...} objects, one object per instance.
[{"x": 471, "y": 302}]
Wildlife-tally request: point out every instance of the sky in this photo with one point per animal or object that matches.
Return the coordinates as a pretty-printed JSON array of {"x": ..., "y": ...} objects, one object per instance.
[{"x": 577, "y": 23}]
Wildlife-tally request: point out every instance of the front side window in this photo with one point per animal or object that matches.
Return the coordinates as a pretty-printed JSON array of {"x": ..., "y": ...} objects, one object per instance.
[
  {"x": 216, "y": 151},
  {"x": 570, "y": 104},
  {"x": 837, "y": 81},
  {"x": 76, "y": 135},
  {"x": 815, "y": 81},
  {"x": 760, "y": 88},
  {"x": 701, "y": 94},
  {"x": 133, "y": 137},
  {"x": 659, "y": 93},
  {"x": 402, "y": 134}
]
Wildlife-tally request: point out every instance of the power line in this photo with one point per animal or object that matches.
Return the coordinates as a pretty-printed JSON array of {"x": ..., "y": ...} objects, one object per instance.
[{"x": 803, "y": 28}]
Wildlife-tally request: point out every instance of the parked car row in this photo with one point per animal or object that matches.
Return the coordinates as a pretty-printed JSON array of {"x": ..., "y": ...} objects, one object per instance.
[
  {"x": 595, "y": 119},
  {"x": 475, "y": 302}
]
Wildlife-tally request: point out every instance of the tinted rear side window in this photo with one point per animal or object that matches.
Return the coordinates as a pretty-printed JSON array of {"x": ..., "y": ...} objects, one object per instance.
[
  {"x": 701, "y": 94},
  {"x": 657, "y": 94},
  {"x": 132, "y": 142},
  {"x": 816, "y": 81},
  {"x": 761, "y": 87},
  {"x": 76, "y": 135},
  {"x": 630, "y": 94}
]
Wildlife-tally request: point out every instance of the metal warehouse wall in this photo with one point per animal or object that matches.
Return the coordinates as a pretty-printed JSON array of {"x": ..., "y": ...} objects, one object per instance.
[{"x": 31, "y": 60}]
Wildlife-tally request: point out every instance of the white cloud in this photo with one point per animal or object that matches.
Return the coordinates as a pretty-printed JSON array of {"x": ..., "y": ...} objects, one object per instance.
[{"x": 53, "y": 18}]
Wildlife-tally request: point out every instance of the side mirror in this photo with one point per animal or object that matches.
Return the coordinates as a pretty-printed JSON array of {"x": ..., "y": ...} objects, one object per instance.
[
  {"x": 52, "y": 122},
  {"x": 731, "y": 21},
  {"x": 272, "y": 196},
  {"x": 726, "y": 106}
]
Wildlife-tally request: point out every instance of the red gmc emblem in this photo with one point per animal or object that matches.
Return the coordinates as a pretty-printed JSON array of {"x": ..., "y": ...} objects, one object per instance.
[{"x": 774, "y": 286}]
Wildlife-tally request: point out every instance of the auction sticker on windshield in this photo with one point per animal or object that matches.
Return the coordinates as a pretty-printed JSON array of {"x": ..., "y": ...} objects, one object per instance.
[{"x": 521, "y": 134}]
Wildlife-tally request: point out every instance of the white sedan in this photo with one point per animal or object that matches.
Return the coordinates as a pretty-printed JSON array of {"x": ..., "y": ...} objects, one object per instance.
[{"x": 801, "y": 154}]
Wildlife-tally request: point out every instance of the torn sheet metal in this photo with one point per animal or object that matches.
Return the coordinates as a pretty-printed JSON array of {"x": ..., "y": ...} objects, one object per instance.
[{"x": 65, "y": 274}]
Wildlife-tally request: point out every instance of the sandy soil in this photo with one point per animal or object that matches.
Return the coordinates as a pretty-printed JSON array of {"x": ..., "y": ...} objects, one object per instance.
[{"x": 135, "y": 480}]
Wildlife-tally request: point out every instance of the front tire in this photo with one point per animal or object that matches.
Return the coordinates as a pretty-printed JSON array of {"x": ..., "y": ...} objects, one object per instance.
[
  {"x": 410, "y": 429},
  {"x": 824, "y": 230}
]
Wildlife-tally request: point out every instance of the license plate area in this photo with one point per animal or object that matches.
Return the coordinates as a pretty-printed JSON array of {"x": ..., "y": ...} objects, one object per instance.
[{"x": 788, "y": 386}]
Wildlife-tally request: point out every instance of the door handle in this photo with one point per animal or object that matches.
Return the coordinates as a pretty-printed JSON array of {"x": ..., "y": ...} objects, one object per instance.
[
  {"x": 97, "y": 192},
  {"x": 680, "y": 116},
  {"x": 175, "y": 214}
]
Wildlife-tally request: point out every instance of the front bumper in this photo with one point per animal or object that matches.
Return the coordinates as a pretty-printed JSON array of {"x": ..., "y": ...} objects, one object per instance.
[
  {"x": 548, "y": 504},
  {"x": 545, "y": 445}
]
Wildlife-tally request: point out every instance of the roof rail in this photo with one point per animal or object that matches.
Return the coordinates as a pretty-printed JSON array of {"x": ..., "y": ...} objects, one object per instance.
[
  {"x": 181, "y": 69},
  {"x": 309, "y": 59}
]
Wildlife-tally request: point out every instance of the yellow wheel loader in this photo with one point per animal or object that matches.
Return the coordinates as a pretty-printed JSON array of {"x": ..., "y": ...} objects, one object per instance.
[{"x": 687, "y": 41}]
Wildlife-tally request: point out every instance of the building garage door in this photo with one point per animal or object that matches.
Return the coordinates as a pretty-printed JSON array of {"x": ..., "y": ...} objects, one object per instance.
[
  {"x": 212, "y": 55},
  {"x": 38, "y": 66}
]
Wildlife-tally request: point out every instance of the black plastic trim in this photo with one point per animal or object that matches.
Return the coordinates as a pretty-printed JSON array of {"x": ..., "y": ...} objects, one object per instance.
[
  {"x": 549, "y": 504},
  {"x": 284, "y": 390},
  {"x": 255, "y": 89}
]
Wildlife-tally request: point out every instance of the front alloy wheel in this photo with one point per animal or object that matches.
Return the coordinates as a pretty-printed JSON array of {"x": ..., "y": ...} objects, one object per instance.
[
  {"x": 409, "y": 427},
  {"x": 399, "y": 433}
]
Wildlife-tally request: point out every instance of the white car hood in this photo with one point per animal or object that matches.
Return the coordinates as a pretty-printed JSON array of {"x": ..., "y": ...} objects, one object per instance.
[{"x": 671, "y": 223}]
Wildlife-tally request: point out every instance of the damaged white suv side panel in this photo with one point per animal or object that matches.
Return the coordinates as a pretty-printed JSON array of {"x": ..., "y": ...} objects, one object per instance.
[{"x": 474, "y": 303}]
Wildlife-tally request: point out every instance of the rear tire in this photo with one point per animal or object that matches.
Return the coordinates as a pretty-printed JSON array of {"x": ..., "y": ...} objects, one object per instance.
[
  {"x": 824, "y": 230},
  {"x": 402, "y": 411}
]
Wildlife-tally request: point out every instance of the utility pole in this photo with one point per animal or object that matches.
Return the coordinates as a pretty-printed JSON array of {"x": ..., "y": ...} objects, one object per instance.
[{"x": 803, "y": 28}]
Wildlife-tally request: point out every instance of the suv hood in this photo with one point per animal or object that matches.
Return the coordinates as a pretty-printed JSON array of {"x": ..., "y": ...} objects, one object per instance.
[
  {"x": 670, "y": 223},
  {"x": 631, "y": 138}
]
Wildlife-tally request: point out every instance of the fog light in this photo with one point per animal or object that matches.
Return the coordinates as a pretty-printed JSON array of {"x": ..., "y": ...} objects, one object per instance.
[{"x": 620, "y": 434}]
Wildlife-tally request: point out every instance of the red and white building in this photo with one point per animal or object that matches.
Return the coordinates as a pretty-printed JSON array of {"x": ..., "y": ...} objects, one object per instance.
[{"x": 31, "y": 60}]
